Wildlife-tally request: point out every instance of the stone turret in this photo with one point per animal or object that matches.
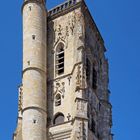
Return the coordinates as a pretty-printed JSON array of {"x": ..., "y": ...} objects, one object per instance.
[{"x": 34, "y": 70}]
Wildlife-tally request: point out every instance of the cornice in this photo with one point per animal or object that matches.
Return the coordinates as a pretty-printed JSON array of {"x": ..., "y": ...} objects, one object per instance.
[{"x": 63, "y": 9}]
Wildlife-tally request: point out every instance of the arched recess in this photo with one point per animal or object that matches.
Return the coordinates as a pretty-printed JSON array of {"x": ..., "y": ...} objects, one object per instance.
[{"x": 58, "y": 118}]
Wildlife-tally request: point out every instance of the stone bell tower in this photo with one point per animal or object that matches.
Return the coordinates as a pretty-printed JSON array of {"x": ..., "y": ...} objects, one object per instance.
[
  {"x": 78, "y": 95},
  {"x": 64, "y": 93}
]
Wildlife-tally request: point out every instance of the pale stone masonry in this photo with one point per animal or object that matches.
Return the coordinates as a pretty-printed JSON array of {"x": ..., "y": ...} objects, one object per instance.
[{"x": 64, "y": 92}]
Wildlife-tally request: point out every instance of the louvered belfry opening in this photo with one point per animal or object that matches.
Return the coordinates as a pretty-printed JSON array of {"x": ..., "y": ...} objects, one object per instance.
[{"x": 60, "y": 59}]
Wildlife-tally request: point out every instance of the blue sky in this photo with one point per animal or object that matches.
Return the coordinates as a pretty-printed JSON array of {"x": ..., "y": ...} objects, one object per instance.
[{"x": 118, "y": 22}]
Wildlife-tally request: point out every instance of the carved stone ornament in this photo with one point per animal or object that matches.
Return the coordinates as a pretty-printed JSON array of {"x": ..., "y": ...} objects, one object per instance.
[
  {"x": 84, "y": 81},
  {"x": 62, "y": 32},
  {"x": 59, "y": 87},
  {"x": 81, "y": 106},
  {"x": 81, "y": 133},
  {"x": 81, "y": 82},
  {"x": 80, "y": 23},
  {"x": 69, "y": 79},
  {"x": 78, "y": 78},
  {"x": 61, "y": 35},
  {"x": 72, "y": 22}
]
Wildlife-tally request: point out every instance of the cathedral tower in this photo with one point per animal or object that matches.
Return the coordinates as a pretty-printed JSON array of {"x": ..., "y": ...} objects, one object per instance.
[{"x": 64, "y": 93}]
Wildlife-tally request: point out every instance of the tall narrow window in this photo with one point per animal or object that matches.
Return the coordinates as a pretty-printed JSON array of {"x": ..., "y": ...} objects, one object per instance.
[
  {"x": 93, "y": 125},
  {"x": 94, "y": 77},
  {"x": 57, "y": 100},
  {"x": 88, "y": 70},
  {"x": 60, "y": 59}
]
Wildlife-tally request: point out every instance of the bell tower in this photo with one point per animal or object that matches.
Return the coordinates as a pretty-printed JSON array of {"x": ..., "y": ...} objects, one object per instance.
[
  {"x": 34, "y": 70},
  {"x": 64, "y": 93}
]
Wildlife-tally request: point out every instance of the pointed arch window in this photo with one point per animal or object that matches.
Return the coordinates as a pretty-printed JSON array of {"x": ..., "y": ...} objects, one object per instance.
[
  {"x": 60, "y": 59},
  {"x": 57, "y": 100}
]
